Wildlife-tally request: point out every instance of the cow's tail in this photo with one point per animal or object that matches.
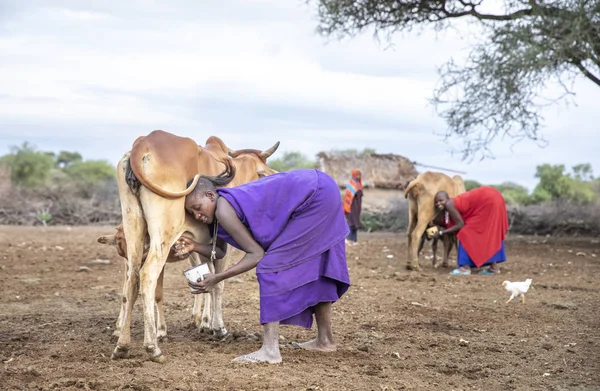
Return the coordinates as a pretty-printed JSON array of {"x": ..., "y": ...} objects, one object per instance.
[
  {"x": 134, "y": 183},
  {"x": 219, "y": 180},
  {"x": 412, "y": 189},
  {"x": 130, "y": 178}
]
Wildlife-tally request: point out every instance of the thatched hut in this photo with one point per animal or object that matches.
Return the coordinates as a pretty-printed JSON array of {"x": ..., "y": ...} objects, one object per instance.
[{"x": 379, "y": 171}]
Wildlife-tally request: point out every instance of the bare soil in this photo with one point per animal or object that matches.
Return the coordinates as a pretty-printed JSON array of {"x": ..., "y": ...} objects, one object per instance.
[{"x": 395, "y": 329}]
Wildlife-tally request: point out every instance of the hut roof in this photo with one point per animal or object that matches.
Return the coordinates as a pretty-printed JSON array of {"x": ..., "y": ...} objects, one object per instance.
[{"x": 384, "y": 171}]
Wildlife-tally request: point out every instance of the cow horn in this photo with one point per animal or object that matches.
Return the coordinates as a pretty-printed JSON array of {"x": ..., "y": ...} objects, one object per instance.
[
  {"x": 270, "y": 151},
  {"x": 232, "y": 152}
]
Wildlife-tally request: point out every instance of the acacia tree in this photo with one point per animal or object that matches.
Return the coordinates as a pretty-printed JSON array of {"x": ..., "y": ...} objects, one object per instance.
[{"x": 499, "y": 91}]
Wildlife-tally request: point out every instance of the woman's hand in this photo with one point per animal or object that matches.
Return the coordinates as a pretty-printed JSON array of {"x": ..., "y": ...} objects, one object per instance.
[
  {"x": 206, "y": 285},
  {"x": 184, "y": 246}
]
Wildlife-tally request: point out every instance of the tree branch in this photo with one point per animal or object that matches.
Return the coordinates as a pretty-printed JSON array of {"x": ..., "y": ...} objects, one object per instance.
[
  {"x": 512, "y": 16},
  {"x": 586, "y": 72}
]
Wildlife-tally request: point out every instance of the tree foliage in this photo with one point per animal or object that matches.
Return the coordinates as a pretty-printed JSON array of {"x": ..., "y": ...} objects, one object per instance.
[
  {"x": 31, "y": 168},
  {"x": 556, "y": 184},
  {"x": 471, "y": 184},
  {"x": 514, "y": 194},
  {"x": 290, "y": 161},
  {"x": 28, "y": 167},
  {"x": 66, "y": 158},
  {"x": 499, "y": 91}
]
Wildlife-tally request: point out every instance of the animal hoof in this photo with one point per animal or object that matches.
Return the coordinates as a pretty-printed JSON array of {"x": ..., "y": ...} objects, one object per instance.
[
  {"x": 120, "y": 352},
  {"x": 413, "y": 267},
  {"x": 205, "y": 330},
  {"x": 159, "y": 359},
  {"x": 155, "y": 354},
  {"x": 163, "y": 338},
  {"x": 221, "y": 333}
]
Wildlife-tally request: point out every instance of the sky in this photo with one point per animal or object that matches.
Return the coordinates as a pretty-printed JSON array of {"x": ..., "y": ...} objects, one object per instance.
[{"x": 92, "y": 76}]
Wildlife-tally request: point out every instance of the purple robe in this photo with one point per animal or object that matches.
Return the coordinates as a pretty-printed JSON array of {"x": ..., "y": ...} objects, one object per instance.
[{"x": 298, "y": 219}]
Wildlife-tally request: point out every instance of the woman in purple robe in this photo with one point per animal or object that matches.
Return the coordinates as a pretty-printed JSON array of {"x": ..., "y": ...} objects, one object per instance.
[{"x": 291, "y": 226}]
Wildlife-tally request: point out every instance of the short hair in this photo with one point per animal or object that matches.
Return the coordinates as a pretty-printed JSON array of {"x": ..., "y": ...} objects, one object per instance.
[
  {"x": 206, "y": 182},
  {"x": 442, "y": 193}
]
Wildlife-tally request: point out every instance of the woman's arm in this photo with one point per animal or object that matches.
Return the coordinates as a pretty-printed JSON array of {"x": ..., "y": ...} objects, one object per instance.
[
  {"x": 188, "y": 245},
  {"x": 206, "y": 249},
  {"x": 456, "y": 217},
  {"x": 231, "y": 223},
  {"x": 228, "y": 219}
]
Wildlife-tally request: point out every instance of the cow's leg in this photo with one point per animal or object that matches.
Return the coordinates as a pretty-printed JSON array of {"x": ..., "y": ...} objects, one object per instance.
[
  {"x": 149, "y": 275},
  {"x": 161, "y": 323},
  {"x": 448, "y": 243},
  {"x": 165, "y": 220},
  {"x": 134, "y": 228},
  {"x": 414, "y": 243},
  {"x": 207, "y": 312},
  {"x": 120, "y": 319},
  {"x": 421, "y": 245},
  {"x": 111, "y": 241},
  {"x": 412, "y": 224},
  {"x": 218, "y": 325},
  {"x": 195, "y": 260},
  {"x": 434, "y": 247}
]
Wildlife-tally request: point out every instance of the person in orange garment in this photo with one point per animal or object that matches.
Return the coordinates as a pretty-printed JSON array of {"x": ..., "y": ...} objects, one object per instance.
[
  {"x": 353, "y": 206},
  {"x": 480, "y": 220}
]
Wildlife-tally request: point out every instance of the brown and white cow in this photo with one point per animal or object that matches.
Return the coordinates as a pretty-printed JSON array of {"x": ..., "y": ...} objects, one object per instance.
[
  {"x": 421, "y": 210},
  {"x": 152, "y": 181},
  {"x": 250, "y": 164}
]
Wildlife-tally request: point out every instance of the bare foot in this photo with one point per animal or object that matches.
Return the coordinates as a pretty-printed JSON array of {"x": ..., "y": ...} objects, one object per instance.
[
  {"x": 260, "y": 356},
  {"x": 315, "y": 345}
]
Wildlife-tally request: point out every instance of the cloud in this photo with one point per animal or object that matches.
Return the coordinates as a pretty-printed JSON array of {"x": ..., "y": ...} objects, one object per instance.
[{"x": 92, "y": 76}]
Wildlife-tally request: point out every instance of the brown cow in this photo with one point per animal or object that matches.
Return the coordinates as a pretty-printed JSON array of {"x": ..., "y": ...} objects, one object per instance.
[
  {"x": 421, "y": 210},
  {"x": 250, "y": 164},
  {"x": 152, "y": 181}
]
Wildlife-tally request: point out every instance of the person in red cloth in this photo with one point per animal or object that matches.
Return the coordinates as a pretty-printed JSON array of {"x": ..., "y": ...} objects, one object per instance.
[
  {"x": 480, "y": 220},
  {"x": 353, "y": 206}
]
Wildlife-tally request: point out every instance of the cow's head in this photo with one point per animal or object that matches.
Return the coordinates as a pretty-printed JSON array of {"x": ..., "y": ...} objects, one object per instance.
[
  {"x": 118, "y": 240},
  {"x": 253, "y": 161}
]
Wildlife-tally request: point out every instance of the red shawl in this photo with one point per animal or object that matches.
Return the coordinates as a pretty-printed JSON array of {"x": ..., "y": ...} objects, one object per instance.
[
  {"x": 484, "y": 212},
  {"x": 351, "y": 188}
]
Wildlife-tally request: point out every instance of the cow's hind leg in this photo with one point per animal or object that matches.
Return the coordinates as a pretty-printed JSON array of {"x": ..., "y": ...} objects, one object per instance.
[
  {"x": 448, "y": 244},
  {"x": 121, "y": 318},
  {"x": 134, "y": 228},
  {"x": 412, "y": 224},
  {"x": 434, "y": 247},
  {"x": 414, "y": 243},
  {"x": 201, "y": 318},
  {"x": 165, "y": 225},
  {"x": 218, "y": 325},
  {"x": 207, "y": 311},
  {"x": 161, "y": 323}
]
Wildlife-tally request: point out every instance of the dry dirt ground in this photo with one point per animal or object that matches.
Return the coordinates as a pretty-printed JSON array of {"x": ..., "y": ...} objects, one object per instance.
[{"x": 396, "y": 330}]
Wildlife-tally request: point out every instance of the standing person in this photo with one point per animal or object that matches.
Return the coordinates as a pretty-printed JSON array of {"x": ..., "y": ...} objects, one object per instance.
[
  {"x": 292, "y": 228},
  {"x": 479, "y": 216},
  {"x": 353, "y": 205}
]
